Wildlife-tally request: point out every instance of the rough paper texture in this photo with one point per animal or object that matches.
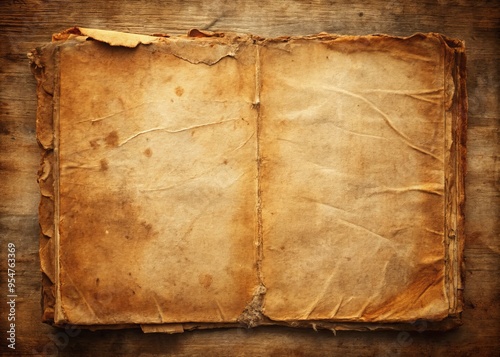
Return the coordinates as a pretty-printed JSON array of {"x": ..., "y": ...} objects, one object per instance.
[
  {"x": 353, "y": 183},
  {"x": 217, "y": 180}
]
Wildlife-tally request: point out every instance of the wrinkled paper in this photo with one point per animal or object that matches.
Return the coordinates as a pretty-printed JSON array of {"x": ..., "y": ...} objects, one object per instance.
[{"x": 215, "y": 180}]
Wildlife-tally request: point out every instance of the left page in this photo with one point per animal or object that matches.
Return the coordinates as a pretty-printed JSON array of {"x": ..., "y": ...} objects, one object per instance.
[{"x": 155, "y": 181}]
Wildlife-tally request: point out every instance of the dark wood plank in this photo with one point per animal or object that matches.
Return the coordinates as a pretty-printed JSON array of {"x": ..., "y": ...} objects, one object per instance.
[{"x": 25, "y": 24}]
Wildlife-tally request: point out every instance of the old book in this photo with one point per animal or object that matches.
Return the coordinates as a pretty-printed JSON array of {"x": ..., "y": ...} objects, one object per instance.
[{"x": 220, "y": 179}]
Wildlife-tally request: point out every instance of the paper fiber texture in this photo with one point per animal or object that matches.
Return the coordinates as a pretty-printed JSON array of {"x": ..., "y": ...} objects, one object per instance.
[{"x": 220, "y": 179}]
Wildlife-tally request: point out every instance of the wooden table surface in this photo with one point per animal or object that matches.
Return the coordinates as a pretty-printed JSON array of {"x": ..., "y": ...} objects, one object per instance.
[{"x": 25, "y": 24}]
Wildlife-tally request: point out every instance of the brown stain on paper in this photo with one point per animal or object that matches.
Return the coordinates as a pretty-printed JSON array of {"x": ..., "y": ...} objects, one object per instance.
[
  {"x": 104, "y": 164},
  {"x": 112, "y": 139},
  {"x": 179, "y": 91},
  {"x": 205, "y": 280},
  {"x": 107, "y": 224},
  {"x": 148, "y": 152},
  {"x": 104, "y": 227},
  {"x": 94, "y": 144}
]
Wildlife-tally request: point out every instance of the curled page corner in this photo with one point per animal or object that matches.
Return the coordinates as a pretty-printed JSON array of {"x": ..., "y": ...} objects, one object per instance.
[{"x": 112, "y": 38}]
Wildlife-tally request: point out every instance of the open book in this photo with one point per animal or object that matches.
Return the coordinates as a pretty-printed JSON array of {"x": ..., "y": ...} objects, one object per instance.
[{"x": 220, "y": 179}]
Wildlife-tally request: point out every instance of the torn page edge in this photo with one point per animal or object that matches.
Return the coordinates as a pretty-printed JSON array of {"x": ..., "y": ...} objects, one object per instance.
[
  {"x": 112, "y": 38},
  {"x": 207, "y": 54},
  {"x": 211, "y": 47},
  {"x": 59, "y": 314},
  {"x": 214, "y": 46},
  {"x": 42, "y": 66},
  {"x": 131, "y": 40},
  {"x": 455, "y": 127},
  {"x": 252, "y": 315},
  {"x": 456, "y": 170},
  {"x": 419, "y": 325}
]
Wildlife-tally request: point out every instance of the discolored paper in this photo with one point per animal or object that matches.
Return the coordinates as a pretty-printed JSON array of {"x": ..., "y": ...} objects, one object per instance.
[{"x": 216, "y": 180}]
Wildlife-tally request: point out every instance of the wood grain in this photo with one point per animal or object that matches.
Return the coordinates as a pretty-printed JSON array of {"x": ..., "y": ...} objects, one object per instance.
[{"x": 26, "y": 24}]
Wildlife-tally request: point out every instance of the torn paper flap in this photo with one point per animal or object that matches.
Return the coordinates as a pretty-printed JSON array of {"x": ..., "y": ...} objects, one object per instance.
[{"x": 112, "y": 38}]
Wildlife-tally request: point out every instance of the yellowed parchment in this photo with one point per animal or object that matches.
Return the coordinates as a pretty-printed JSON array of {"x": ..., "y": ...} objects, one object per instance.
[
  {"x": 353, "y": 180},
  {"x": 216, "y": 180},
  {"x": 157, "y": 185}
]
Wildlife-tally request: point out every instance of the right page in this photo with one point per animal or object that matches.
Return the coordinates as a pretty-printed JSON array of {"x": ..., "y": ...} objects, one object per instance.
[{"x": 355, "y": 164}]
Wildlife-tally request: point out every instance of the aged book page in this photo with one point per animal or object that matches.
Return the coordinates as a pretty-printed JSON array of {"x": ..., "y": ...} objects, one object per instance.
[
  {"x": 353, "y": 179},
  {"x": 157, "y": 183},
  {"x": 215, "y": 180}
]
